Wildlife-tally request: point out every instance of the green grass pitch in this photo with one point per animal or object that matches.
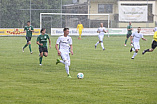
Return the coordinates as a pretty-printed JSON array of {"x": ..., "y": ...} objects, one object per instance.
[{"x": 111, "y": 77}]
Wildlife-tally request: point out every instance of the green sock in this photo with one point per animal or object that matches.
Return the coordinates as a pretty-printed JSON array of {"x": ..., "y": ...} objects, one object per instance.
[
  {"x": 25, "y": 46},
  {"x": 126, "y": 41},
  {"x": 30, "y": 48},
  {"x": 40, "y": 59}
]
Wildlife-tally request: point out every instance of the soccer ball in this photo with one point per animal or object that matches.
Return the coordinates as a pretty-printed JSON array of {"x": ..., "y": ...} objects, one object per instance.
[{"x": 80, "y": 75}]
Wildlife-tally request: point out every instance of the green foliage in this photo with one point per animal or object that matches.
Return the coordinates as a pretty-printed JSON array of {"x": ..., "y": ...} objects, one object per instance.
[{"x": 110, "y": 76}]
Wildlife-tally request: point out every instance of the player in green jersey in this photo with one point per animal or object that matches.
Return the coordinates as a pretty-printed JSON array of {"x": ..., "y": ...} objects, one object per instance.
[
  {"x": 129, "y": 29},
  {"x": 28, "y": 29},
  {"x": 42, "y": 42}
]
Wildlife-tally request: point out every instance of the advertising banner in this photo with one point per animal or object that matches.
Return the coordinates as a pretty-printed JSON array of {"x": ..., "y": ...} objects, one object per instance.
[
  {"x": 93, "y": 31},
  {"x": 133, "y": 13},
  {"x": 17, "y": 32}
]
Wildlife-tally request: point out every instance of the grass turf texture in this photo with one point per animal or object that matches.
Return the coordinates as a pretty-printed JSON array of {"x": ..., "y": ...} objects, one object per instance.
[{"x": 110, "y": 76}]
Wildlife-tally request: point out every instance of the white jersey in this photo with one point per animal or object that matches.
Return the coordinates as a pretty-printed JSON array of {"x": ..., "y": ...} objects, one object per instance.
[
  {"x": 155, "y": 29},
  {"x": 137, "y": 36},
  {"x": 64, "y": 43},
  {"x": 101, "y": 30}
]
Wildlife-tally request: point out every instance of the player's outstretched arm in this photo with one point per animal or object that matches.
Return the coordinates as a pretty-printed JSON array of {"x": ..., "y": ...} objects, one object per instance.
[{"x": 144, "y": 39}]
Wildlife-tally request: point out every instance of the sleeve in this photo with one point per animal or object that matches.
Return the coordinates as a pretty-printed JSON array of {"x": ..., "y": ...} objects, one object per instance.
[
  {"x": 70, "y": 41},
  {"x": 77, "y": 26},
  {"x": 24, "y": 28},
  {"x": 38, "y": 39},
  {"x": 58, "y": 41}
]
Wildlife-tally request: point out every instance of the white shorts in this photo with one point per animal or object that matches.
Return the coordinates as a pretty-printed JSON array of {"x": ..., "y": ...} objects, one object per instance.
[
  {"x": 136, "y": 45},
  {"x": 65, "y": 56},
  {"x": 101, "y": 37}
]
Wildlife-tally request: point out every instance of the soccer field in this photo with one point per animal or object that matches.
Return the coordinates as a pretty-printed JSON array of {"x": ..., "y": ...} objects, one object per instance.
[{"x": 111, "y": 76}]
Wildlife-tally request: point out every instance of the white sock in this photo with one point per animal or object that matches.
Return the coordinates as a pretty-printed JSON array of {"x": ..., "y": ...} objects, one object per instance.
[
  {"x": 67, "y": 67},
  {"x": 102, "y": 45},
  {"x": 62, "y": 61},
  {"x": 134, "y": 54},
  {"x": 97, "y": 43},
  {"x": 133, "y": 49}
]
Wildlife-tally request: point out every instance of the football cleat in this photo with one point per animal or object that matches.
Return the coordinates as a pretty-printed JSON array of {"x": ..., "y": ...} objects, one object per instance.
[{"x": 58, "y": 61}]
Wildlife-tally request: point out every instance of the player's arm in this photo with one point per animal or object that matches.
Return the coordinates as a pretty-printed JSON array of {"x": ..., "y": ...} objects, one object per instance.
[
  {"x": 38, "y": 42},
  {"x": 131, "y": 38},
  {"x": 98, "y": 31},
  {"x": 49, "y": 41},
  {"x": 56, "y": 46},
  {"x": 104, "y": 30},
  {"x": 77, "y": 27},
  {"x": 144, "y": 39},
  {"x": 31, "y": 29},
  {"x": 71, "y": 49}
]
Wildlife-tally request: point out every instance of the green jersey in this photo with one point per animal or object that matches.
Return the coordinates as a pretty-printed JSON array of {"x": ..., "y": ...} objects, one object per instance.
[
  {"x": 43, "y": 39},
  {"x": 28, "y": 32},
  {"x": 129, "y": 31}
]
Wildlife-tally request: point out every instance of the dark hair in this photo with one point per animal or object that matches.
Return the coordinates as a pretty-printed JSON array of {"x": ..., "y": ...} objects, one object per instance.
[
  {"x": 139, "y": 27},
  {"x": 65, "y": 29},
  {"x": 42, "y": 30},
  {"x": 28, "y": 21}
]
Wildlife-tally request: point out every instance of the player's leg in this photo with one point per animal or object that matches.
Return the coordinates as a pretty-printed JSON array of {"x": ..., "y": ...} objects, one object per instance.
[
  {"x": 154, "y": 45},
  {"x": 137, "y": 47},
  {"x": 41, "y": 55},
  {"x": 45, "y": 52},
  {"x": 80, "y": 32},
  {"x": 98, "y": 41},
  {"x": 30, "y": 45},
  {"x": 67, "y": 64},
  {"x": 127, "y": 36},
  {"x": 101, "y": 41},
  {"x": 25, "y": 44}
]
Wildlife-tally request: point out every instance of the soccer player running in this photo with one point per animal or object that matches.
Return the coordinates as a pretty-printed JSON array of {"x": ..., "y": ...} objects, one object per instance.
[
  {"x": 135, "y": 37},
  {"x": 101, "y": 30},
  {"x": 42, "y": 42},
  {"x": 65, "y": 47},
  {"x": 28, "y": 29},
  {"x": 154, "y": 43},
  {"x": 129, "y": 28},
  {"x": 80, "y": 28}
]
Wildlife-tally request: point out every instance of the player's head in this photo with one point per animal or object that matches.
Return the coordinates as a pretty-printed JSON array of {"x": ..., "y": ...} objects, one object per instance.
[
  {"x": 129, "y": 23},
  {"x": 28, "y": 23},
  {"x": 101, "y": 24},
  {"x": 139, "y": 29},
  {"x": 43, "y": 31},
  {"x": 66, "y": 31}
]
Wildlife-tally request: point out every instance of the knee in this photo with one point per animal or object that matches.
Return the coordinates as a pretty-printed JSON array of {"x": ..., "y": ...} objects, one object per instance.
[
  {"x": 151, "y": 50},
  {"x": 45, "y": 54},
  {"x": 136, "y": 50},
  {"x": 29, "y": 42}
]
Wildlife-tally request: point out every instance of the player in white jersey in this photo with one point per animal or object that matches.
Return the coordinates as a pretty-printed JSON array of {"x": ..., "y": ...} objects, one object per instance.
[
  {"x": 135, "y": 37},
  {"x": 101, "y": 30},
  {"x": 65, "y": 47}
]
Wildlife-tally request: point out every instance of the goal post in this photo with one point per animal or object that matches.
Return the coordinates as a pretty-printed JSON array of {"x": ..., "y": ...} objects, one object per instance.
[{"x": 61, "y": 20}]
